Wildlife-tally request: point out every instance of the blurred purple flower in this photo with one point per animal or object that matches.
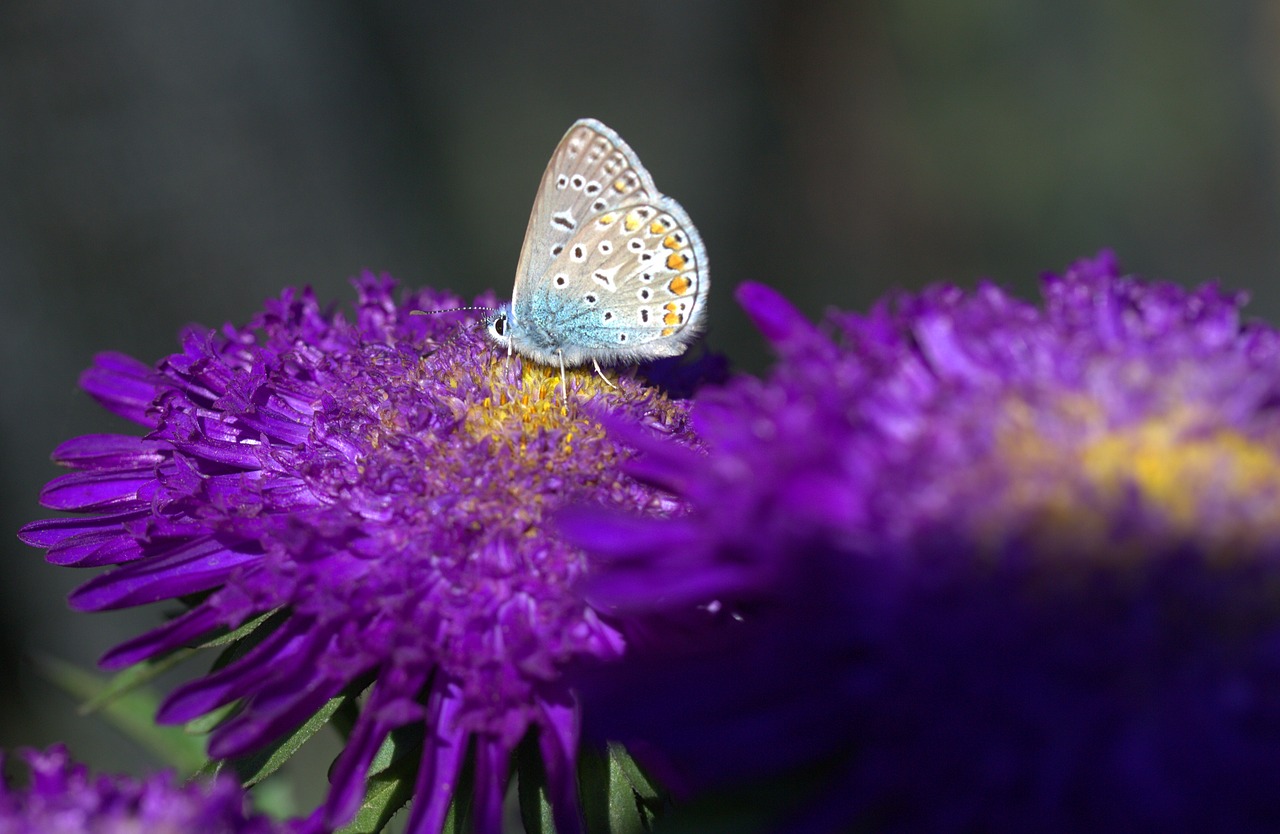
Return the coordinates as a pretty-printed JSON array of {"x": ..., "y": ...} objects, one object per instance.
[
  {"x": 62, "y": 798},
  {"x": 380, "y": 485},
  {"x": 963, "y": 564}
]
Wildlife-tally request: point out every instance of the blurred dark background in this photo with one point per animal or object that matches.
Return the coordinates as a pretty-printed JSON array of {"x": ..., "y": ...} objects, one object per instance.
[{"x": 166, "y": 163}]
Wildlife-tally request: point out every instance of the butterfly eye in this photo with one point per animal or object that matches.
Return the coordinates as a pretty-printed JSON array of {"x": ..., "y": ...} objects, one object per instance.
[{"x": 499, "y": 326}]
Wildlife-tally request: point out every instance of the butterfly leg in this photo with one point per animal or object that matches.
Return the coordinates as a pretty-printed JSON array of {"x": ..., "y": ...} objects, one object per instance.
[
  {"x": 602, "y": 376},
  {"x": 564, "y": 381}
]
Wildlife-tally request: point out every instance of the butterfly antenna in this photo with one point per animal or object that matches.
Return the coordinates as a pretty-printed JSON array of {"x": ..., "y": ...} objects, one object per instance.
[
  {"x": 457, "y": 332},
  {"x": 451, "y": 310}
]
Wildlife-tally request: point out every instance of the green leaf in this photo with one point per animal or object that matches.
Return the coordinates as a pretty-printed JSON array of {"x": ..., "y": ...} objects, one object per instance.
[
  {"x": 131, "y": 710},
  {"x": 391, "y": 784},
  {"x": 531, "y": 785},
  {"x": 254, "y": 767},
  {"x": 239, "y": 642},
  {"x": 243, "y": 631},
  {"x": 649, "y": 795},
  {"x": 401, "y": 743},
  {"x": 205, "y": 724},
  {"x": 131, "y": 678},
  {"x": 275, "y": 799},
  {"x": 609, "y": 803},
  {"x": 384, "y": 796},
  {"x": 144, "y": 672}
]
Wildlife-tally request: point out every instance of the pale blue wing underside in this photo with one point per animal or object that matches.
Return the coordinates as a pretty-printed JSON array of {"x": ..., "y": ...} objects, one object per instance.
[
  {"x": 611, "y": 269},
  {"x": 591, "y": 171},
  {"x": 629, "y": 286}
]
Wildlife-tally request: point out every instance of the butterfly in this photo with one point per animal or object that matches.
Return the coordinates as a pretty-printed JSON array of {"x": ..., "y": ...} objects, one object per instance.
[{"x": 612, "y": 271}]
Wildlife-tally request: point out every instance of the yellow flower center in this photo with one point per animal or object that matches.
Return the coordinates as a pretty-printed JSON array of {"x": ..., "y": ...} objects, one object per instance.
[
  {"x": 523, "y": 413},
  {"x": 1070, "y": 471}
]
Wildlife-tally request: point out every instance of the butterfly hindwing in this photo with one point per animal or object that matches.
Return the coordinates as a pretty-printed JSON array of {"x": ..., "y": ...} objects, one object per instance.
[
  {"x": 630, "y": 284},
  {"x": 592, "y": 171}
]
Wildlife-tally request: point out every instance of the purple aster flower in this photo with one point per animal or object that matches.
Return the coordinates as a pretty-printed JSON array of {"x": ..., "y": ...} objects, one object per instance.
[
  {"x": 372, "y": 495},
  {"x": 62, "y": 798},
  {"x": 967, "y": 564}
]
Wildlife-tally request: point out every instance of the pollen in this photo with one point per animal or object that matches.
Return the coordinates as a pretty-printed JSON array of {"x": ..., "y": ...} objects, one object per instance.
[{"x": 526, "y": 413}]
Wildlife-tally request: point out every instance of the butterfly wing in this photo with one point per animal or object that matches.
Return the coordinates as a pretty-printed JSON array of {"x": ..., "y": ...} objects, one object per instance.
[
  {"x": 592, "y": 171},
  {"x": 630, "y": 285}
]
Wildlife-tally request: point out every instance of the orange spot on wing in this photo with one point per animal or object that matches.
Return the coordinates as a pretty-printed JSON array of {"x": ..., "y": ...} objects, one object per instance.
[
  {"x": 676, "y": 261},
  {"x": 671, "y": 318},
  {"x": 632, "y": 222},
  {"x": 671, "y": 242},
  {"x": 667, "y": 331},
  {"x": 620, "y": 186},
  {"x": 679, "y": 285},
  {"x": 607, "y": 219},
  {"x": 657, "y": 228}
]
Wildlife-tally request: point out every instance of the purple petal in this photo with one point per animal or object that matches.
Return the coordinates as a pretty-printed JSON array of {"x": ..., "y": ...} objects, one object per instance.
[
  {"x": 85, "y": 491},
  {"x": 63, "y": 797},
  {"x": 175, "y": 634},
  {"x": 246, "y": 453},
  {"x": 92, "y": 550},
  {"x": 123, "y": 385},
  {"x": 442, "y": 755},
  {"x": 935, "y": 333},
  {"x": 773, "y": 315},
  {"x": 558, "y": 741},
  {"x": 186, "y": 569},
  {"x": 492, "y": 761},
  {"x": 348, "y": 773},
  {"x": 51, "y": 531},
  {"x": 610, "y": 535},
  {"x": 279, "y": 651},
  {"x": 109, "y": 451},
  {"x": 258, "y": 727}
]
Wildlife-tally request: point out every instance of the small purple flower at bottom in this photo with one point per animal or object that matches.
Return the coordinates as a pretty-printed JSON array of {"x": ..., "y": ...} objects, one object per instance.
[
  {"x": 374, "y": 494},
  {"x": 966, "y": 564},
  {"x": 62, "y": 798}
]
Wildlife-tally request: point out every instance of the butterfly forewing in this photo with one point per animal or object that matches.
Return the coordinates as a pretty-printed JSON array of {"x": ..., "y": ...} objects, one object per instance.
[
  {"x": 631, "y": 276},
  {"x": 592, "y": 171}
]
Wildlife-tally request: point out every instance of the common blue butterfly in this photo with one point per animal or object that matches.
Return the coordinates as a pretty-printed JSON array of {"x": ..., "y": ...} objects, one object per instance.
[{"x": 612, "y": 271}]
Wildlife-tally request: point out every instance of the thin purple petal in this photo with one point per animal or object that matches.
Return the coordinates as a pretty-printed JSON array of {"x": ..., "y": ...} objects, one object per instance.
[
  {"x": 772, "y": 314},
  {"x": 185, "y": 569},
  {"x": 442, "y": 755},
  {"x": 95, "y": 491},
  {"x": 174, "y": 634},
  {"x": 123, "y": 385},
  {"x": 558, "y": 741},
  {"x": 109, "y": 451},
  {"x": 53, "y": 531},
  {"x": 280, "y": 649}
]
